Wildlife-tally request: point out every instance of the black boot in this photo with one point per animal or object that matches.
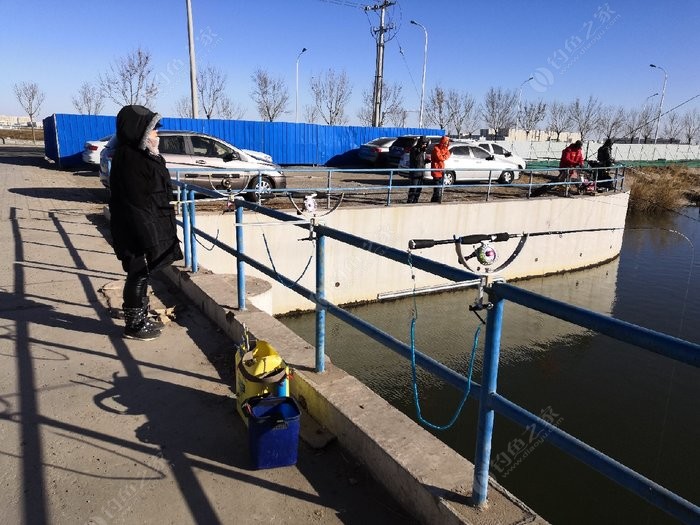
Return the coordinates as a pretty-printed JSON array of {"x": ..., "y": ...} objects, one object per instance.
[{"x": 138, "y": 325}]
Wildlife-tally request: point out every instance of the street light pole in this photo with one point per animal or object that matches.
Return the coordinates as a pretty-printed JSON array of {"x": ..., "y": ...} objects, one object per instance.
[
  {"x": 193, "y": 66},
  {"x": 297, "y": 83},
  {"x": 425, "y": 62},
  {"x": 517, "y": 115},
  {"x": 661, "y": 102}
]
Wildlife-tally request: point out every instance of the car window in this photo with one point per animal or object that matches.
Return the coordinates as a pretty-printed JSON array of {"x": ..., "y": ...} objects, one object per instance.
[
  {"x": 485, "y": 146},
  {"x": 498, "y": 150},
  {"x": 207, "y": 147},
  {"x": 173, "y": 145},
  {"x": 460, "y": 150},
  {"x": 480, "y": 153}
]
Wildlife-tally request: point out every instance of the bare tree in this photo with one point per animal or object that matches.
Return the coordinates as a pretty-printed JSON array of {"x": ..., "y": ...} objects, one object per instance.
[
  {"x": 211, "y": 84},
  {"x": 461, "y": 111},
  {"x": 559, "y": 119},
  {"x": 585, "y": 115},
  {"x": 672, "y": 126},
  {"x": 331, "y": 92},
  {"x": 630, "y": 124},
  {"x": 392, "y": 105},
  {"x": 270, "y": 95},
  {"x": 130, "y": 80},
  {"x": 89, "y": 100},
  {"x": 398, "y": 118},
  {"x": 310, "y": 114},
  {"x": 436, "y": 108},
  {"x": 229, "y": 109},
  {"x": 499, "y": 109},
  {"x": 691, "y": 125},
  {"x": 532, "y": 114},
  {"x": 647, "y": 118},
  {"x": 30, "y": 98},
  {"x": 183, "y": 107},
  {"x": 612, "y": 120}
]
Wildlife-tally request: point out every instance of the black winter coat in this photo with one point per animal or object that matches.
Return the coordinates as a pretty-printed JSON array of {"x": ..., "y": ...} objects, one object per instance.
[{"x": 142, "y": 220}]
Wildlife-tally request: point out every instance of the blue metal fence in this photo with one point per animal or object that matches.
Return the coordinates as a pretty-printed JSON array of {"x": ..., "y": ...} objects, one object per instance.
[
  {"x": 287, "y": 142},
  {"x": 490, "y": 401}
]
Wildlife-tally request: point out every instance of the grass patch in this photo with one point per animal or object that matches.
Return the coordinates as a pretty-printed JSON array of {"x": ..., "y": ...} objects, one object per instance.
[
  {"x": 656, "y": 190},
  {"x": 21, "y": 133}
]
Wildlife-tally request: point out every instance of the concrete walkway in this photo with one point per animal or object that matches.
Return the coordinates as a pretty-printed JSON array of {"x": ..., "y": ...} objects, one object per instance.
[{"x": 98, "y": 429}]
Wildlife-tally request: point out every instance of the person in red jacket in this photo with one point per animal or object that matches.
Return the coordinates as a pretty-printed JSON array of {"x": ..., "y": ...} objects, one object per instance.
[
  {"x": 438, "y": 157},
  {"x": 571, "y": 157}
]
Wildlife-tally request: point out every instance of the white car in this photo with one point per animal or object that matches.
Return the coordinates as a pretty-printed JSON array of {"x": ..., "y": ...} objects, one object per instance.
[
  {"x": 500, "y": 152},
  {"x": 188, "y": 149},
  {"x": 468, "y": 162},
  {"x": 93, "y": 148}
]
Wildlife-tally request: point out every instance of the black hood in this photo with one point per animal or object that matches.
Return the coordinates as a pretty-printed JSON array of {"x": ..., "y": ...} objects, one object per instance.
[{"x": 134, "y": 123}]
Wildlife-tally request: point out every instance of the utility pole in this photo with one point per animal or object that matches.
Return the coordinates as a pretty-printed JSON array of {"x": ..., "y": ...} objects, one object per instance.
[
  {"x": 193, "y": 67},
  {"x": 379, "y": 68}
]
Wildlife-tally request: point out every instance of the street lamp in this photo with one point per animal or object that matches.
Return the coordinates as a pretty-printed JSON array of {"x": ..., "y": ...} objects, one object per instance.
[
  {"x": 297, "y": 91},
  {"x": 425, "y": 62},
  {"x": 517, "y": 115},
  {"x": 661, "y": 102}
]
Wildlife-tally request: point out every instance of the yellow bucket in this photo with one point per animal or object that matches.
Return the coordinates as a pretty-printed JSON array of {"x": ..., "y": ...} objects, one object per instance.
[{"x": 259, "y": 372}]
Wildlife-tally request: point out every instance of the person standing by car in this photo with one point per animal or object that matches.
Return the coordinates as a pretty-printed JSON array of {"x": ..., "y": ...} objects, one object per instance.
[
  {"x": 438, "y": 157},
  {"x": 142, "y": 221},
  {"x": 417, "y": 160}
]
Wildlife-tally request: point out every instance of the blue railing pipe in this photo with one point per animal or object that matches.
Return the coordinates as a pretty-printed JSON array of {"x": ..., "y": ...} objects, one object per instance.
[
  {"x": 193, "y": 228},
  {"x": 492, "y": 349},
  {"x": 662, "y": 344},
  {"x": 321, "y": 299},
  {"x": 186, "y": 226},
  {"x": 643, "y": 487},
  {"x": 240, "y": 264}
]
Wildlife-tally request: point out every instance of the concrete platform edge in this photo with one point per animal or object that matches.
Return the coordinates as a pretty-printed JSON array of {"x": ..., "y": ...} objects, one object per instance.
[{"x": 430, "y": 480}]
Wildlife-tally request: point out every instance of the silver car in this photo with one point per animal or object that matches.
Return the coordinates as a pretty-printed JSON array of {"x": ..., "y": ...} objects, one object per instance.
[{"x": 187, "y": 150}]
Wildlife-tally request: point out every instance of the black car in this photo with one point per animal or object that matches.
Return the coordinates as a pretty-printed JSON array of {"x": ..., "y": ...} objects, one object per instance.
[{"x": 403, "y": 144}]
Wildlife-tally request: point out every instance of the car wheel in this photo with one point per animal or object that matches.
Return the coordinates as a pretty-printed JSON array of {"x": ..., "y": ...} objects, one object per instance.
[
  {"x": 262, "y": 187},
  {"x": 506, "y": 177},
  {"x": 449, "y": 178}
]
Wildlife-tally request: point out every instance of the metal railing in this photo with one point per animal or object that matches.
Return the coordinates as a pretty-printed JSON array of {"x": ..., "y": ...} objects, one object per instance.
[
  {"x": 490, "y": 401},
  {"x": 398, "y": 181}
]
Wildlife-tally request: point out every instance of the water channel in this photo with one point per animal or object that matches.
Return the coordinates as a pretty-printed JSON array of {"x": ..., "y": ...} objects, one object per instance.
[{"x": 639, "y": 408}]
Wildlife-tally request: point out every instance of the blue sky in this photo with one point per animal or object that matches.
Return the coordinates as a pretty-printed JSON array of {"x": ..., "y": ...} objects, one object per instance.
[{"x": 574, "y": 49}]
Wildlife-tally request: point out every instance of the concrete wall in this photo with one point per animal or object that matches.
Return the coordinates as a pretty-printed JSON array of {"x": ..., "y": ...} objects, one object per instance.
[
  {"x": 531, "y": 150},
  {"x": 354, "y": 275}
]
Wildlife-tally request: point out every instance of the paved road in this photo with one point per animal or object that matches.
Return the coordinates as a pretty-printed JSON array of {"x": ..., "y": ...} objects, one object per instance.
[{"x": 98, "y": 429}]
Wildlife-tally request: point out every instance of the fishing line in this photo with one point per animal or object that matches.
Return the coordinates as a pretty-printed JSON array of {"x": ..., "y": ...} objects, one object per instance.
[{"x": 414, "y": 374}]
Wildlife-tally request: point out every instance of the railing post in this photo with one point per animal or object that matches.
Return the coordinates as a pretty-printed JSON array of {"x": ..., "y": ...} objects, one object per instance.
[
  {"x": 388, "y": 191},
  {"x": 193, "y": 236},
  {"x": 240, "y": 265},
  {"x": 492, "y": 348},
  {"x": 320, "y": 309},
  {"x": 186, "y": 226},
  {"x": 329, "y": 181}
]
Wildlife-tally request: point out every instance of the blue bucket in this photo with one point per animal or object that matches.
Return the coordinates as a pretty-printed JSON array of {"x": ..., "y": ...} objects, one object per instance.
[{"x": 273, "y": 431}]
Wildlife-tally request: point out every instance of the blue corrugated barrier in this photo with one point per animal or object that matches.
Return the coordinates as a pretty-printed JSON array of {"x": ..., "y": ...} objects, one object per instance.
[{"x": 288, "y": 143}]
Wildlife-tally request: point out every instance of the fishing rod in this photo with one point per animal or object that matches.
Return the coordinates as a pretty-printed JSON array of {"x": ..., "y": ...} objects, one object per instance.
[{"x": 485, "y": 253}]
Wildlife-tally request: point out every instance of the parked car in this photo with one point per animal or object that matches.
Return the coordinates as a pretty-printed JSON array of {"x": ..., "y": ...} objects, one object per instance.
[
  {"x": 469, "y": 162},
  {"x": 93, "y": 148},
  {"x": 375, "y": 151},
  {"x": 187, "y": 149},
  {"x": 500, "y": 152},
  {"x": 403, "y": 145}
]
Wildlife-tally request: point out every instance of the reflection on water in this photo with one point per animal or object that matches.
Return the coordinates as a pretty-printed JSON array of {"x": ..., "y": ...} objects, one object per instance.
[{"x": 635, "y": 406}]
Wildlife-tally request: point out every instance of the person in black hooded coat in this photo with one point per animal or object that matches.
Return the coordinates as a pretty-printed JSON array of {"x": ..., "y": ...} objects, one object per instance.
[{"x": 144, "y": 233}]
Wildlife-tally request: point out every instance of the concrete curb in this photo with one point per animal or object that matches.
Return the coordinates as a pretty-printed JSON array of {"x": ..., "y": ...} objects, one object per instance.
[{"x": 426, "y": 477}]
